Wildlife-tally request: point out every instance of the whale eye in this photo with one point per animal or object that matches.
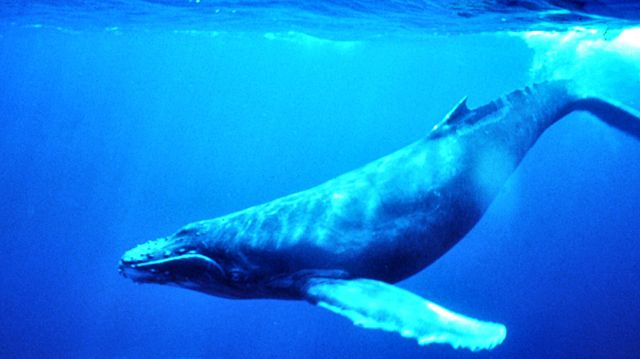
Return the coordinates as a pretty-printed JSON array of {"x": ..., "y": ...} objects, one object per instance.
[{"x": 236, "y": 275}]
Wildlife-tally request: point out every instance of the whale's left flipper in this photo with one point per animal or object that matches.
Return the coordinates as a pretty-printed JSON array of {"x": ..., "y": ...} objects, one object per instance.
[{"x": 377, "y": 305}]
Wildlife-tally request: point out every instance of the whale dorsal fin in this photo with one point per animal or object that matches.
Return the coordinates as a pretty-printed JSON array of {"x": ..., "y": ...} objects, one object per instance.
[
  {"x": 458, "y": 111},
  {"x": 377, "y": 305},
  {"x": 454, "y": 117}
]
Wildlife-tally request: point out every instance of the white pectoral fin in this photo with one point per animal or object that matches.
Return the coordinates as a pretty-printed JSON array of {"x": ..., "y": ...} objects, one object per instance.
[{"x": 377, "y": 305}]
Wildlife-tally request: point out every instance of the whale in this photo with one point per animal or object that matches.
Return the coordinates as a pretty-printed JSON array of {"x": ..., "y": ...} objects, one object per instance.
[{"x": 343, "y": 244}]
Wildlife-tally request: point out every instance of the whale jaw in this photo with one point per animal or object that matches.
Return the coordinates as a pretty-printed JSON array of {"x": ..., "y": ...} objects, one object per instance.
[
  {"x": 173, "y": 261},
  {"x": 177, "y": 269}
]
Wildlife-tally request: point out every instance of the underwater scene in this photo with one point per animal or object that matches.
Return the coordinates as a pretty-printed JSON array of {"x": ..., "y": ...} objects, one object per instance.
[{"x": 319, "y": 179}]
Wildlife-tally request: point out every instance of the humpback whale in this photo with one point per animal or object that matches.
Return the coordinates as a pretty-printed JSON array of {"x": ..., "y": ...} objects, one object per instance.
[{"x": 342, "y": 244}]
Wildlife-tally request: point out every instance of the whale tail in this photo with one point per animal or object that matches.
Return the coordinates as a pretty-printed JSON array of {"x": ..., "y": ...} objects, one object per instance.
[{"x": 614, "y": 114}]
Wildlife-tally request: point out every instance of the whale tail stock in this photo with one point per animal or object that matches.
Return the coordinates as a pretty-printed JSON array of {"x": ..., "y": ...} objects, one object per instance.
[
  {"x": 613, "y": 114},
  {"x": 545, "y": 103}
]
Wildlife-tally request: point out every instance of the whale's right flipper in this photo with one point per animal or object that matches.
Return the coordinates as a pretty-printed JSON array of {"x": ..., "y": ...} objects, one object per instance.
[{"x": 377, "y": 305}]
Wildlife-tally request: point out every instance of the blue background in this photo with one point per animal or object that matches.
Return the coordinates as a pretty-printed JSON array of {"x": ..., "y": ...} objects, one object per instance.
[{"x": 109, "y": 139}]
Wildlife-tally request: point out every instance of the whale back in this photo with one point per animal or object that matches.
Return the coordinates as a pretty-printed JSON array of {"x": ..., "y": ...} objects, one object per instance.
[{"x": 394, "y": 216}]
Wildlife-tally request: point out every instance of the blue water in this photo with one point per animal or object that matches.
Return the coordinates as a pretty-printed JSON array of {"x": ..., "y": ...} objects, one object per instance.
[
  {"x": 331, "y": 19},
  {"x": 120, "y": 126}
]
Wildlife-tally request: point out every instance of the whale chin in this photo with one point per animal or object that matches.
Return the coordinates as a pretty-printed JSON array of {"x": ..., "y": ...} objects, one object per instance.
[{"x": 184, "y": 270}]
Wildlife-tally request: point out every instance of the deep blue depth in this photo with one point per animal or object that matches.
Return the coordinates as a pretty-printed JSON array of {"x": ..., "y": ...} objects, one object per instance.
[{"x": 109, "y": 139}]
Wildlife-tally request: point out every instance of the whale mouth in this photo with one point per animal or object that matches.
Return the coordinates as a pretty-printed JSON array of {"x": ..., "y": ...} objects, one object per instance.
[{"x": 189, "y": 267}]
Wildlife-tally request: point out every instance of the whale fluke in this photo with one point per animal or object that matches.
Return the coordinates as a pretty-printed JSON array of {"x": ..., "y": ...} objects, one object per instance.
[
  {"x": 614, "y": 114},
  {"x": 373, "y": 304}
]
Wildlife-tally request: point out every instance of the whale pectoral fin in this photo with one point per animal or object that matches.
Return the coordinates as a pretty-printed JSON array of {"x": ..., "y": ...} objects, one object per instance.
[{"x": 377, "y": 305}]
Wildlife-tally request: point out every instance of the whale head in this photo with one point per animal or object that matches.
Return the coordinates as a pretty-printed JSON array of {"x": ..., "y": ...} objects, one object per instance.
[{"x": 184, "y": 260}]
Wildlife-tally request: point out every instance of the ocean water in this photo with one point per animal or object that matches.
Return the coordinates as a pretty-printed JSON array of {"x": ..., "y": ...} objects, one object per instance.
[{"x": 121, "y": 122}]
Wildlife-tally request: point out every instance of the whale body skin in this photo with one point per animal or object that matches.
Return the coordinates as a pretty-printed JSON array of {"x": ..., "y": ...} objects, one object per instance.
[{"x": 341, "y": 245}]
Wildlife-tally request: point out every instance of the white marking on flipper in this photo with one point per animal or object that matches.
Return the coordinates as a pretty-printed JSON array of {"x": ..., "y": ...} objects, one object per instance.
[{"x": 376, "y": 305}]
